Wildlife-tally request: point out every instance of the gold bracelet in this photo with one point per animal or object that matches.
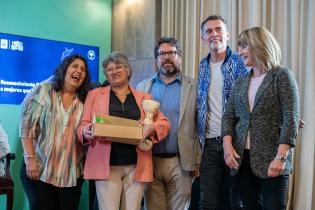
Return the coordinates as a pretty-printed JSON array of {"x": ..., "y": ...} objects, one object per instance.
[{"x": 28, "y": 156}]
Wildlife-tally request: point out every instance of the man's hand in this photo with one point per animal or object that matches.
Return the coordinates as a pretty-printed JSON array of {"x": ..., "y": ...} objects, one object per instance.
[
  {"x": 301, "y": 123},
  {"x": 196, "y": 172}
]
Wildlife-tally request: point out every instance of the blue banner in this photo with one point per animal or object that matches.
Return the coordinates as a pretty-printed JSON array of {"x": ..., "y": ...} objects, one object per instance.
[{"x": 27, "y": 61}]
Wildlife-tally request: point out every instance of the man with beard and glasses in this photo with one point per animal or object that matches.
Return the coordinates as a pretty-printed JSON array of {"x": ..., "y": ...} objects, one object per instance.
[
  {"x": 217, "y": 74},
  {"x": 175, "y": 160}
]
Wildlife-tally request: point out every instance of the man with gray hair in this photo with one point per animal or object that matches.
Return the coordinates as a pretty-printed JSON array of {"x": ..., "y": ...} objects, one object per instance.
[{"x": 217, "y": 74}]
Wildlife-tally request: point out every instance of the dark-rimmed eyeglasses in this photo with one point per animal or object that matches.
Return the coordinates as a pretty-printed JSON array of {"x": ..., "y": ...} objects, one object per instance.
[{"x": 170, "y": 54}]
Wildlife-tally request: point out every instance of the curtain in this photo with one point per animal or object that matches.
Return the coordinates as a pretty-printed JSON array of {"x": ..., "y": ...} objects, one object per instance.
[{"x": 293, "y": 25}]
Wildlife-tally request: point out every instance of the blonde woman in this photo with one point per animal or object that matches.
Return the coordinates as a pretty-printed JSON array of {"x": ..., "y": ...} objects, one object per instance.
[{"x": 260, "y": 123}]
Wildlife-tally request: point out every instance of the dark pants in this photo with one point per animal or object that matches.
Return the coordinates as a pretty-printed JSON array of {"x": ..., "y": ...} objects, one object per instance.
[
  {"x": 258, "y": 193},
  {"x": 43, "y": 196},
  {"x": 93, "y": 202},
  {"x": 195, "y": 194},
  {"x": 214, "y": 178}
]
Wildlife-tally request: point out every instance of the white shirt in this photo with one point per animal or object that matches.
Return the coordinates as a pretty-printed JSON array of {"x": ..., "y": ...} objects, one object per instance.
[
  {"x": 214, "y": 115},
  {"x": 255, "y": 83}
]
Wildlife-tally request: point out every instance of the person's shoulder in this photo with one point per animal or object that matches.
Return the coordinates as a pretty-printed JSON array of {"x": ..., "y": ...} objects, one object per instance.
[
  {"x": 146, "y": 80},
  {"x": 140, "y": 93},
  {"x": 42, "y": 88},
  {"x": 142, "y": 84},
  {"x": 283, "y": 73},
  {"x": 236, "y": 58},
  {"x": 283, "y": 70},
  {"x": 204, "y": 61},
  {"x": 44, "y": 85},
  {"x": 40, "y": 93},
  {"x": 99, "y": 90},
  {"x": 189, "y": 79},
  {"x": 236, "y": 64}
]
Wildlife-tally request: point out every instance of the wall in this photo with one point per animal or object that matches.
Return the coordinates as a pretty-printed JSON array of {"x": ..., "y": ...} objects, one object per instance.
[
  {"x": 84, "y": 22},
  {"x": 136, "y": 25}
]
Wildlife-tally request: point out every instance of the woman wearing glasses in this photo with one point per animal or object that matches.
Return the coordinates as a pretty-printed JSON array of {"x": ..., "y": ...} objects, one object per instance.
[{"x": 120, "y": 170}]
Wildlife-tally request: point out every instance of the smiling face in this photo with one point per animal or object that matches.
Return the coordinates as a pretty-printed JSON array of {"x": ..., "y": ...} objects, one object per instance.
[
  {"x": 246, "y": 55},
  {"x": 215, "y": 35},
  {"x": 76, "y": 73},
  {"x": 168, "y": 60},
  {"x": 117, "y": 74}
]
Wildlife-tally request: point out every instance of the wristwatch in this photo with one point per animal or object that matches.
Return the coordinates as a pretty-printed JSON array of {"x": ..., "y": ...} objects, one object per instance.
[{"x": 282, "y": 158}]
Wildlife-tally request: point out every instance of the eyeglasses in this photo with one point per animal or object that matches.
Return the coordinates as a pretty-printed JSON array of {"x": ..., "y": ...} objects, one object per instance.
[
  {"x": 117, "y": 68},
  {"x": 170, "y": 54}
]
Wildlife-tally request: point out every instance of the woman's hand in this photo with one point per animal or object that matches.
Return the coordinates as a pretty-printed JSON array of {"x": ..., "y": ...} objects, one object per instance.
[
  {"x": 31, "y": 168},
  {"x": 230, "y": 155},
  {"x": 87, "y": 132},
  {"x": 29, "y": 159},
  {"x": 276, "y": 168},
  {"x": 145, "y": 145},
  {"x": 147, "y": 129}
]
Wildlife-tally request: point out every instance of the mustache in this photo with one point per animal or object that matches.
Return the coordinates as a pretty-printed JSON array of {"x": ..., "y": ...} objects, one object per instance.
[
  {"x": 168, "y": 62},
  {"x": 215, "y": 39}
]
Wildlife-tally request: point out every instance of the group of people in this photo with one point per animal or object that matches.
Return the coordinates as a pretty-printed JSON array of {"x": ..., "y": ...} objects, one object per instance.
[{"x": 236, "y": 124}]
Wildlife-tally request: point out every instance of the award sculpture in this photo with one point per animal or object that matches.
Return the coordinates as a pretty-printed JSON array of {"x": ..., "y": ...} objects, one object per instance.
[{"x": 150, "y": 108}]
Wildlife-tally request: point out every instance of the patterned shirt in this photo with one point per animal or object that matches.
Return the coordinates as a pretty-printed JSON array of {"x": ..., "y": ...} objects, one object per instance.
[
  {"x": 53, "y": 130},
  {"x": 232, "y": 68}
]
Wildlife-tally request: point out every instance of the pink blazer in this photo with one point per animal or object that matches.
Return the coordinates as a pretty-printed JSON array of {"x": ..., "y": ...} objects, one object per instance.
[{"x": 97, "y": 159}]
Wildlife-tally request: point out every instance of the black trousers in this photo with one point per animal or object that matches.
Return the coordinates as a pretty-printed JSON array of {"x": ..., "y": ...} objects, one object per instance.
[
  {"x": 195, "y": 194},
  {"x": 214, "y": 178},
  {"x": 43, "y": 196},
  {"x": 258, "y": 193}
]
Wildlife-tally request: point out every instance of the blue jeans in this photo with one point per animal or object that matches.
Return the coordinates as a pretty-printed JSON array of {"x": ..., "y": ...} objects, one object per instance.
[
  {"x": 258, "y": 193},
  {"x": 214, "y": 178}
]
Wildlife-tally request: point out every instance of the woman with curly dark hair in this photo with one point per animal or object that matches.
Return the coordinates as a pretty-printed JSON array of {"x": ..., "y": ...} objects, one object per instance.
[{"x": 53, "y": 159}]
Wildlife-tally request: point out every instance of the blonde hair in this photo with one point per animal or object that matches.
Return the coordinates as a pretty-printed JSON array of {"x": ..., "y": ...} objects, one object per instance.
[{"x": 262, "y": 45}]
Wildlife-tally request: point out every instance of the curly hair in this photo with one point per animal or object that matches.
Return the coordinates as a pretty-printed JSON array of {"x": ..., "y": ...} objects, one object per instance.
[{"x": 60, "y": 75}]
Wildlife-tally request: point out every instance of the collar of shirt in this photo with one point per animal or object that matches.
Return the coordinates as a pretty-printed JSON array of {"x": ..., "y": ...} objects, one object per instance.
[
  {"x": 157, "y": 78},
  {"x": 227, "y": 56}
]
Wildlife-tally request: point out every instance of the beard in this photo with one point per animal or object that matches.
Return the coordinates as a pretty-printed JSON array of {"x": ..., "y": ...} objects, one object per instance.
[
  {"x": 217, "y": 45},
  {"x": 169, "y": 70}
]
